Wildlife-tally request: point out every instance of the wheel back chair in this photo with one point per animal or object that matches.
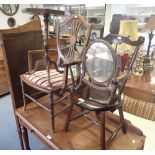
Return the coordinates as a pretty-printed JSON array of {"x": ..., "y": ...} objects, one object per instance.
[
  {"x": 100, "y": 87},
  {"x": 51, "y": 77}
]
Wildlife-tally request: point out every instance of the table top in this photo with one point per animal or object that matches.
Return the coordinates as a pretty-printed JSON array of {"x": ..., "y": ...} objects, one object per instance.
[
  {"x": 41, "y": 11},
  {"x": 144, "y": 85},
  {"x": 82, "y": 134}
]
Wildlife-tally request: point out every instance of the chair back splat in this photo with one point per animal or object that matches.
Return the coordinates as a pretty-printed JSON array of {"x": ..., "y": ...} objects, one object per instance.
[
  {"x": 118, "y": 40},
  {"x": 73, "y": 36}
]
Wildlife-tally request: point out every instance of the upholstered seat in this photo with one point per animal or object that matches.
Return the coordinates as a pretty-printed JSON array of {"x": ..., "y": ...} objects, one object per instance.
[{"x": 40, "y": 79}]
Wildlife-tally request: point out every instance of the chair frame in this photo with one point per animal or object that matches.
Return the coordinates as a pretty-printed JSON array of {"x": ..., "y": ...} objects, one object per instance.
[
  {"x": 116, "y": 82},
  {"x": 70, "y": 61},
  {"x": 60, "y": 91}
]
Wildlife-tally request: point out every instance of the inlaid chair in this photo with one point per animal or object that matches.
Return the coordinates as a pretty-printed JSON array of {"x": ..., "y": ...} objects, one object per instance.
[
  {"x": 100, "y": 88},
  {"x": 54, "y": 78}
]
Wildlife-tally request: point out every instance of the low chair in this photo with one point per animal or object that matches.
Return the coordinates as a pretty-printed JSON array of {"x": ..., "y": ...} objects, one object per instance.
[{"x": 100, "y": 87}]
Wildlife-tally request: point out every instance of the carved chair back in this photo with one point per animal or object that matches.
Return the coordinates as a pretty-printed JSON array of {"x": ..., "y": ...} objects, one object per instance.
[
  {"x": 118, "y": 40},
  {"x": 99, "y": 64},
  {"x": 73, "y": 36},
  {"x": 99, "y": 70},
  {"x": 71, "y": 31}
]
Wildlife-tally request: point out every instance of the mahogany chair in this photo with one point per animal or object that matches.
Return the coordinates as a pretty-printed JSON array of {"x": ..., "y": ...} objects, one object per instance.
[
  {"x": 54, "y": 78},
  {"x": 100, "y": 89},
  {"x": 69, "y": 57}
]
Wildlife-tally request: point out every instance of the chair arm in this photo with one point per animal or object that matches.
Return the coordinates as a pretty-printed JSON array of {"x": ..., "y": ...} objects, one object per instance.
[
  {"x": 72, "y": 62},
  {"x": 121, "y": 77}
]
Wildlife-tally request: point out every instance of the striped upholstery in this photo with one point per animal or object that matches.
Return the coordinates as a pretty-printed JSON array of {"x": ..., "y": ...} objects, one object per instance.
[{"x": 39, "y": 79}]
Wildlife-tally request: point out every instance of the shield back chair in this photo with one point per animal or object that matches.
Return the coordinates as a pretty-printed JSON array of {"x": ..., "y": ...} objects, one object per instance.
[
  {"x": 103, "y": 87},
  {"x": 72, "y": 31},
  {"x": 54, "y": 78}
]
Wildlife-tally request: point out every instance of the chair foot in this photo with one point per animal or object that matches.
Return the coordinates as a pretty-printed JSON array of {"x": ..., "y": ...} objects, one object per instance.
[
  {"x": 102, "y": 147},
  {"x": 124, "y": 129}
]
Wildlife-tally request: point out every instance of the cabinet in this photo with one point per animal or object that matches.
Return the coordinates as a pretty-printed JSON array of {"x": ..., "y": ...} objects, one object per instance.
[
  {"x": 96, "y": 16},
  {"x": 77, "y": 9},
  {"x": 93, "y": 15},
  {"x": 4, "y": 88}
]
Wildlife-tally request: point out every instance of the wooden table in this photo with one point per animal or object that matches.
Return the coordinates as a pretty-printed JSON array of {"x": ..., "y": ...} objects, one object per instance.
[
  {"x": 82, "y": 134},
  {"x": 140, "y": 95},
  {"x": 142, "y": 87}
]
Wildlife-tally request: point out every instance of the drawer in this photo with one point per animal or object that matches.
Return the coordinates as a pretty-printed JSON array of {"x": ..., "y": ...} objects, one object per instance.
[{"x": 4, "y": 88}]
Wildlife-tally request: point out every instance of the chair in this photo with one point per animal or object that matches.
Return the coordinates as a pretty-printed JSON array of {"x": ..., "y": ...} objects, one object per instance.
[
  {"x": 54, "y": 78},
  {"x": 100, "y": 88},
  {"x": 71, "y": 31}
]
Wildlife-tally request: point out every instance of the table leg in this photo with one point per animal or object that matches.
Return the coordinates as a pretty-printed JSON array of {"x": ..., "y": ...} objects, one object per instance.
[{"x": 25, "y": 137}]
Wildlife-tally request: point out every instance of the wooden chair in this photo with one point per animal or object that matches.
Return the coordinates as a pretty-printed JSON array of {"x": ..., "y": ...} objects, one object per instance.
[
  {"x": 69, "y": 31},
  {"x": 100, "y": 89},
  {"x": 54, "y": 81}
]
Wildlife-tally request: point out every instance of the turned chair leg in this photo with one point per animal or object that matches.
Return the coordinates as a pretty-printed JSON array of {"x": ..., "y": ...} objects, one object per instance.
[
  {"x": 69, "y": 114},
  {"x": 51, "y": 107},
  {"x": 23, "y": 92},
  {"x": 25, "y": 138},
  {"x": 19, "y": 133},
  {"x": 102, "y": 132},
  {"x": 122, "y": 120}
]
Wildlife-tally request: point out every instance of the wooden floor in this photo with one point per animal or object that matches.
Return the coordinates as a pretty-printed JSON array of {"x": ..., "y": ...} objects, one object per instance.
[{"x": 82, "y": 134}]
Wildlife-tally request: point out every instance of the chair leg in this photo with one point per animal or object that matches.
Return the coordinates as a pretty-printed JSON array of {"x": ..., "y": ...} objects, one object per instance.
[
  {"x": 23, "y": 92},
  {"x": 69, "y": 114},
  {"x": 122, "y": 119},
  {"x": 102, "y": 132},
  {"x": 25, "y": 138},
  {"x": 51, "y": 106}
]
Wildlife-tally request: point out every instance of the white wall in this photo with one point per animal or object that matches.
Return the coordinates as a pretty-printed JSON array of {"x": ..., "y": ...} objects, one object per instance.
[{"x": 21, "y": 18}]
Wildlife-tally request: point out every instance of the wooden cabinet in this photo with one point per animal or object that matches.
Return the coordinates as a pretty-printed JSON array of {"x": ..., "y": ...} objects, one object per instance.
[{"x": 4, "y": 88}]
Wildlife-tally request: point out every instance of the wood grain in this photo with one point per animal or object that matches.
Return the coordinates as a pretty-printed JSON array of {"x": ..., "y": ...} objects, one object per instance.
[{"x": 82, "y": 134}]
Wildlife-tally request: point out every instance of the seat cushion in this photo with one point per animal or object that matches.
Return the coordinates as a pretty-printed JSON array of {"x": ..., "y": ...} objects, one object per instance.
[{"x": 39, "y": 79}]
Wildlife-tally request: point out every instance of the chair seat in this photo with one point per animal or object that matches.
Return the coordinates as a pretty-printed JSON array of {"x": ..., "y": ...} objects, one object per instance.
[
  {"x": 96, "y": 105},
  {"x": 39, "y": 79},
  {"x": 94, "y": 100}
]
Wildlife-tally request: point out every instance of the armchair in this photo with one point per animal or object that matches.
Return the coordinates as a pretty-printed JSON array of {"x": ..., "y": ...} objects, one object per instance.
[
  {"x": 100, "y": 89},
  {"x": 50, "y": 80}
]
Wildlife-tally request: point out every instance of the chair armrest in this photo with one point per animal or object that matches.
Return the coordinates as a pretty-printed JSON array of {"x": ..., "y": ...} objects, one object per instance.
[
  {"x": 33, "y": 56},
  {"x": 72, "y": 62},
  {"x": 121, "y": 77}
]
